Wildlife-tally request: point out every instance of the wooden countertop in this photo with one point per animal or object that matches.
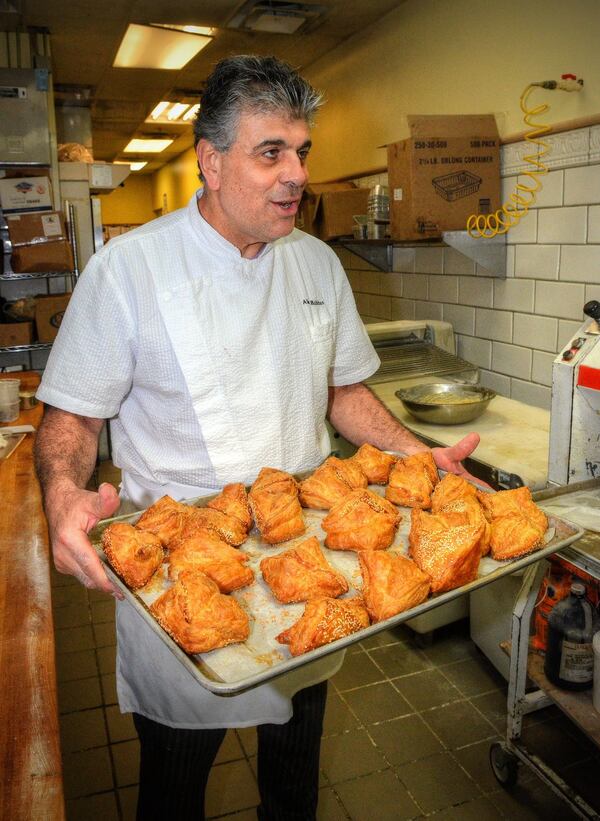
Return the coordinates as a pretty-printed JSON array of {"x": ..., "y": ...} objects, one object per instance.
[
  {"x": 514, "y": 436},
  {"x": 30, "y": 762}
]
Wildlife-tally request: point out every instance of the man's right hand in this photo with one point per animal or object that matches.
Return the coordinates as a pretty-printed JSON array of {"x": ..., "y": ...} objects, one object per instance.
[{"x": 71, "y": 515}]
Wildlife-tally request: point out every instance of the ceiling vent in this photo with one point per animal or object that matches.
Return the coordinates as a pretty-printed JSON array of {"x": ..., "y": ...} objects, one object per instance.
[{"x": 277, "y": 17}]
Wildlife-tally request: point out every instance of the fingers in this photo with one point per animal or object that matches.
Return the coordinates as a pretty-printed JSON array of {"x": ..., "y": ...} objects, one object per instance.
[
  {"x": 464, "y": 448},
  {"x": 75, "y": 556},
  {"x": 107, "y": 499}
]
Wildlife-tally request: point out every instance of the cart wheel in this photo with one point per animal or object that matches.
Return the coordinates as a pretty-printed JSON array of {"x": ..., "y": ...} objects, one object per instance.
[{"x": 505, "y": 765}]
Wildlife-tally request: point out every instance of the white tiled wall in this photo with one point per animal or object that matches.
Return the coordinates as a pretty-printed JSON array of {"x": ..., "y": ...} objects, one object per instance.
[{"x": 512, "y": 327}]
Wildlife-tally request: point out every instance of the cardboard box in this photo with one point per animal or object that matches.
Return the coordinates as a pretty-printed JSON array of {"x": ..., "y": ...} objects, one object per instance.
[
  {"x": 49, "y": 311},
  {"x": 448, "y": 169},
  {"x": 16, "y": 333},
  {"x": 327, "y": 209},
  {"x": 39, "y": 243},
  {"x": 25, "y": 194}
]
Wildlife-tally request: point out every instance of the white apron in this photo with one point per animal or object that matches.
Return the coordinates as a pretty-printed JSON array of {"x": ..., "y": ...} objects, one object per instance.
[{"x": 150, "y": 680}]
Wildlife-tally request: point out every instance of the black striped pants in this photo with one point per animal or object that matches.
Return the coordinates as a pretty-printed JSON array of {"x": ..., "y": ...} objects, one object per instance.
[{"x": 175, "y": 764}]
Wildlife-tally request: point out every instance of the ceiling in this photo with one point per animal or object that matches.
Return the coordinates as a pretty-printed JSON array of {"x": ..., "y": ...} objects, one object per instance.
[{"x": 85, "y": 35}]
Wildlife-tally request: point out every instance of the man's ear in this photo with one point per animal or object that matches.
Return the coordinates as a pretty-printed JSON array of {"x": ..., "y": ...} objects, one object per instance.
[{"x": 209, "y": 160}]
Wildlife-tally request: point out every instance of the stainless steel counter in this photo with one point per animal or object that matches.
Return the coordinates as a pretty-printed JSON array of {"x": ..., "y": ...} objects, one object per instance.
[{"x": 514, "y": 436}]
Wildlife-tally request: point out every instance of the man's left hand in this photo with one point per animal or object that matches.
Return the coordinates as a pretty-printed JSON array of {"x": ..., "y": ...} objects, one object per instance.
[{"x": 450, "y": 458}]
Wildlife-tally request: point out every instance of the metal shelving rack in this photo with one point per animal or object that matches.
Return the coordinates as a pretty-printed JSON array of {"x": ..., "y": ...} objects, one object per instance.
[{"x": 69, "y": 276}]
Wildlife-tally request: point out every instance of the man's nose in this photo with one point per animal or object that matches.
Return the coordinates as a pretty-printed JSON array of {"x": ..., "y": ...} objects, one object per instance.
[{"x": 295, "y": 172}]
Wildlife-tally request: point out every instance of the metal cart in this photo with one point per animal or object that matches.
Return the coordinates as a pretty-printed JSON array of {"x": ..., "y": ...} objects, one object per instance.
[{"x": 525, "y": 667}]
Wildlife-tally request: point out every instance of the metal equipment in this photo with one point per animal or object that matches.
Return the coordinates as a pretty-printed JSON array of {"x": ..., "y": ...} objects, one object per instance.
[{"x": 574, "y": 453}]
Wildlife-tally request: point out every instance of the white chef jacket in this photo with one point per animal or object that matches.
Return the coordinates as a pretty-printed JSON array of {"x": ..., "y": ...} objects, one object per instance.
[{"x": 210, "y": 366}]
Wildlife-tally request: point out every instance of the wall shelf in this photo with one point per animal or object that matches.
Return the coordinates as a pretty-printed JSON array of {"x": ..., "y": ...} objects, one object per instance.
[{"x": 489, "y": 253}]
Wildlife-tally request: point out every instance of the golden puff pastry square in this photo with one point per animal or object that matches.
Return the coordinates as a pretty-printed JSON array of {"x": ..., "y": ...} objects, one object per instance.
[
  {"x": 274, "y": 504},
  {"x": 518, "y": 525},
  {"x": 449, "y": 488},
  {"x": 391, "y": 583},
  {"x": 375, "y": 463},
  {"x": 275, "y": 481},
  {"x": 412, "y": 480},
  {"x": 226, "y": 527},
  {"x": 362, "y": 521},
  {"x": 466, "y": 510},
  {"x": 233, "y": 501},
  {"x": 206, "y": 551},
  {"x": 302, "y": 573},
  {"x": 135, "y": 554},
  {"x": 449, "y": 554},
  {"x": 331, "y": 482},
  {"x": 166, "y": 518},
  {"x": 323, "y": 621},
  {"x": 198, "y": 617}
]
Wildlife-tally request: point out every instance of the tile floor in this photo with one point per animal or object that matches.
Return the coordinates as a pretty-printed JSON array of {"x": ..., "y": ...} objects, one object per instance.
[{"x": 407, "y": 732}]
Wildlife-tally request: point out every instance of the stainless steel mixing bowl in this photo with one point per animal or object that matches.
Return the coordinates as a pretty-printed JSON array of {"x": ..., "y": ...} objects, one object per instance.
[{"x": 445, "y": 403}]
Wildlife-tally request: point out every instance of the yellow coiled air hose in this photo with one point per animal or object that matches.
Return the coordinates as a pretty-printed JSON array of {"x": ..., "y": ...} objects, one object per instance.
[{"x": 521, "y": 200}]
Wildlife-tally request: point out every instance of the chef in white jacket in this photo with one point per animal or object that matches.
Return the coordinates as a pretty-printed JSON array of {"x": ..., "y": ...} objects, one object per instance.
[{"x": 216, "y": 339}]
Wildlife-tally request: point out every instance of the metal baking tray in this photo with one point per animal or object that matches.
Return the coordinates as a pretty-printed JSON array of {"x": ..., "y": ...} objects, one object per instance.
[{"x": 238, "y": 667}]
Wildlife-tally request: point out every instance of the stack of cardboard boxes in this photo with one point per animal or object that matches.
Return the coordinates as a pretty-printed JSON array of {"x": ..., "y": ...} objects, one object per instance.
[{"x": 39, "y": 245}]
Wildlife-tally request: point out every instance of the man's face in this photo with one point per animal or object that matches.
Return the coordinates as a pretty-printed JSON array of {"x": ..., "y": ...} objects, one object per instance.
[{"x": 255, "y": 188}]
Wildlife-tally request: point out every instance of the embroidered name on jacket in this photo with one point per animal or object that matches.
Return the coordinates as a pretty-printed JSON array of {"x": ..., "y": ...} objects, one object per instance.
[{"x": 313, "y": 302}]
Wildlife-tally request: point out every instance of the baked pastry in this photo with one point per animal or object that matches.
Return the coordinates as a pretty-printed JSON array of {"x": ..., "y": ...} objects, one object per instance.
[
  {"x": 412, "y": 480},
  {"x": 375, "y": 463},
  {"x": 517, "y": 523},
  {"x": 331, "y": 482},
  {"x": 447, "y": 552},
  {"x": 135, "y": 554},
  {"x": 391, "y": 583},
  {"x": 221, "y": 562},
  {"x": 275, "y": 481},
  {"x": 324, "y": 620},
  {"x": 274, "y": 504},
  {"x": 227, "y": 527},
  {"x": 362, "y": 521},
  {"x": 449, "y": 488},
  {"x": 466, "y": 510},
  {"x": 233, "y": 501},
  {"x": 197, "y": 616},
  {"x": 302, "y": 573},
  {"x": 166, "y": 518}
]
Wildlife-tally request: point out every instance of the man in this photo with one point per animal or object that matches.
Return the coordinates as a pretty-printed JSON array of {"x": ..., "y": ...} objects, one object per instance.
[{"x": 216, "y": 339}]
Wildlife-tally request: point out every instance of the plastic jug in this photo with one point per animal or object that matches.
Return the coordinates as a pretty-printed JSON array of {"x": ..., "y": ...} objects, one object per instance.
[{"x": 571, "y": 626}]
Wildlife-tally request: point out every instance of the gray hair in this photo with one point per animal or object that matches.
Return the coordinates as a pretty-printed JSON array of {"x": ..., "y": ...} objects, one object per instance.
[{"x": 262, "y": 85}]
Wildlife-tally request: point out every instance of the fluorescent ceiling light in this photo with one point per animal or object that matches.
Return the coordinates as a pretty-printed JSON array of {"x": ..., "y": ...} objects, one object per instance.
[
  {"x": 149, "y": 146},
  {"x": 177, "y": 110},
  {"x": 133, "y": 166},
  {"x": 158, "y": 109},
  {"x": 157, "y": 47},
  {"x": 191, "y": 113},
  {"x": 207, "y": 31}
]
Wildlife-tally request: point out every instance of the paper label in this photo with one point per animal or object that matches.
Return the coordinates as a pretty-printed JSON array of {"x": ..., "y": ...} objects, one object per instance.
[
  {"x": 398, "y": 194},
  {"x": 51, "y": 225},
  {"x": 576, "y": 662}
]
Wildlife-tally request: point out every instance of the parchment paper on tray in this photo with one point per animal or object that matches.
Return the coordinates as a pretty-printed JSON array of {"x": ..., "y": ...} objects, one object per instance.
[{"x": 238, "y": 667}]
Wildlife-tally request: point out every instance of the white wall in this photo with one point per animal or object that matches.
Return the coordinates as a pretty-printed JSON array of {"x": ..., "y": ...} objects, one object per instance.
[
  {"x": 449, "y": 57},
  {"x": 510, "y": 327}
]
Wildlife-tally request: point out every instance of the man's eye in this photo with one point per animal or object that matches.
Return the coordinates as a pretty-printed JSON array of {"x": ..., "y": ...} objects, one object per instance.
[
  {"x": 303, "y": 154},
  {"x": 271, "y": 154}
]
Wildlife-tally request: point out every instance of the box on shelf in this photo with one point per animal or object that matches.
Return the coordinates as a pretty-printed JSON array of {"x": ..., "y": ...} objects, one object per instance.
[
  {"x": 49, "y": 311},
  {"x": 327, "y": 209},
  {"x": 39, "y": 243},
  {"x": 448, "y": 169},
  {"x": 16, "y": 333},
  {"x": 22, "y": 194}
]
